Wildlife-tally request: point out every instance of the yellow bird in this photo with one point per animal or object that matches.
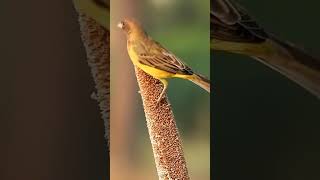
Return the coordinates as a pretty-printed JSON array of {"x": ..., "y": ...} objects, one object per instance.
[
  {"x": 233, "y": 30},
  {"x": 99, "y": 10},
  {"x": 155, "y": 60}
]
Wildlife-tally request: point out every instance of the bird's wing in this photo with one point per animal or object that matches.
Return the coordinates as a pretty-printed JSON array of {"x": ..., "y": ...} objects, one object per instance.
[
  {"x": 158, "y": 57},
  {"x": 225, "y": 11},
  {"x": 99, "y": 10},
  {"x": 230, "y": 22}
]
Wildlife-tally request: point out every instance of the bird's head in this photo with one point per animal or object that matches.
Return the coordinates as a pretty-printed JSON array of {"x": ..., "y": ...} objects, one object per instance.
[{"x": 129, "y": 26}]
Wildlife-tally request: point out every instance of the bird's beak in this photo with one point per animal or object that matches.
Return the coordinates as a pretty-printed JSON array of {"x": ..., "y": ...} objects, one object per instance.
[{"x": 120, "y": 25}]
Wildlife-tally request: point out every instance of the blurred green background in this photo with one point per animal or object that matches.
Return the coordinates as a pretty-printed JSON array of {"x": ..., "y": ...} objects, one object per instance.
[
  {"x": 265, "y": 126},
  {"x": 183, "y": 28}
]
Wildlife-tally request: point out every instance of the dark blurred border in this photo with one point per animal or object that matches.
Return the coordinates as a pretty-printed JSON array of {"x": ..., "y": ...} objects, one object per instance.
[
  {"x": 50, "y": 127},
  {"x": 263, "y": 125}
]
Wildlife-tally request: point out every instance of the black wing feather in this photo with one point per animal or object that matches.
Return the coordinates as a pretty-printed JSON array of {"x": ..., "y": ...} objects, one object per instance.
[{"x": 230, "y": 22}]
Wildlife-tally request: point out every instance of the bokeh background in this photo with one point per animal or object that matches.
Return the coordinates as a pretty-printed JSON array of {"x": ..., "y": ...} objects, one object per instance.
[
  {"x": 265, "y": 126},
  {"x": 50, "y": 128},
  {"x": 183, "y": 28}
]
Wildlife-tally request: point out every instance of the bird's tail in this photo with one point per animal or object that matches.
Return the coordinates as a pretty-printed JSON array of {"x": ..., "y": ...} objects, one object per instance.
[
  {"x": 293, "y": 63},
  {"x": 200, "y": 81}
]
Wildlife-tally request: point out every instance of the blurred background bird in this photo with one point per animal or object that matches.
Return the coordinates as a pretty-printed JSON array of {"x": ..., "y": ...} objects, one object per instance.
[
  {"x": 99, "y": 10},
  {"x": 154, "y": 59},
  {"x": 233, "y": 30}
]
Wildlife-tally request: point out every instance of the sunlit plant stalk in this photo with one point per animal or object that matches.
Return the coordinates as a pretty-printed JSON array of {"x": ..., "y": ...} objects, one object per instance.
[
  {"x": 95, "y": 35},
  {"x": 162, "y": 128}
]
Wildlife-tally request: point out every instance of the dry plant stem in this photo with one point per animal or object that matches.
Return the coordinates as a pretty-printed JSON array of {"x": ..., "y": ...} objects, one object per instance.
[
  {"x": 96, "y": 41},
  {"x": 163, "y": 132}
]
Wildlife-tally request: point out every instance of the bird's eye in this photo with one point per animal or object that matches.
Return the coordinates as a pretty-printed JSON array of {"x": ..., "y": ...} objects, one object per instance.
[{"x": 121, "y": 25}]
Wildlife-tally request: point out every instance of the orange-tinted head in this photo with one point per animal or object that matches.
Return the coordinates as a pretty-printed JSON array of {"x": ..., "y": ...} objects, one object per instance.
[{"x": 129, "y": 25}]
